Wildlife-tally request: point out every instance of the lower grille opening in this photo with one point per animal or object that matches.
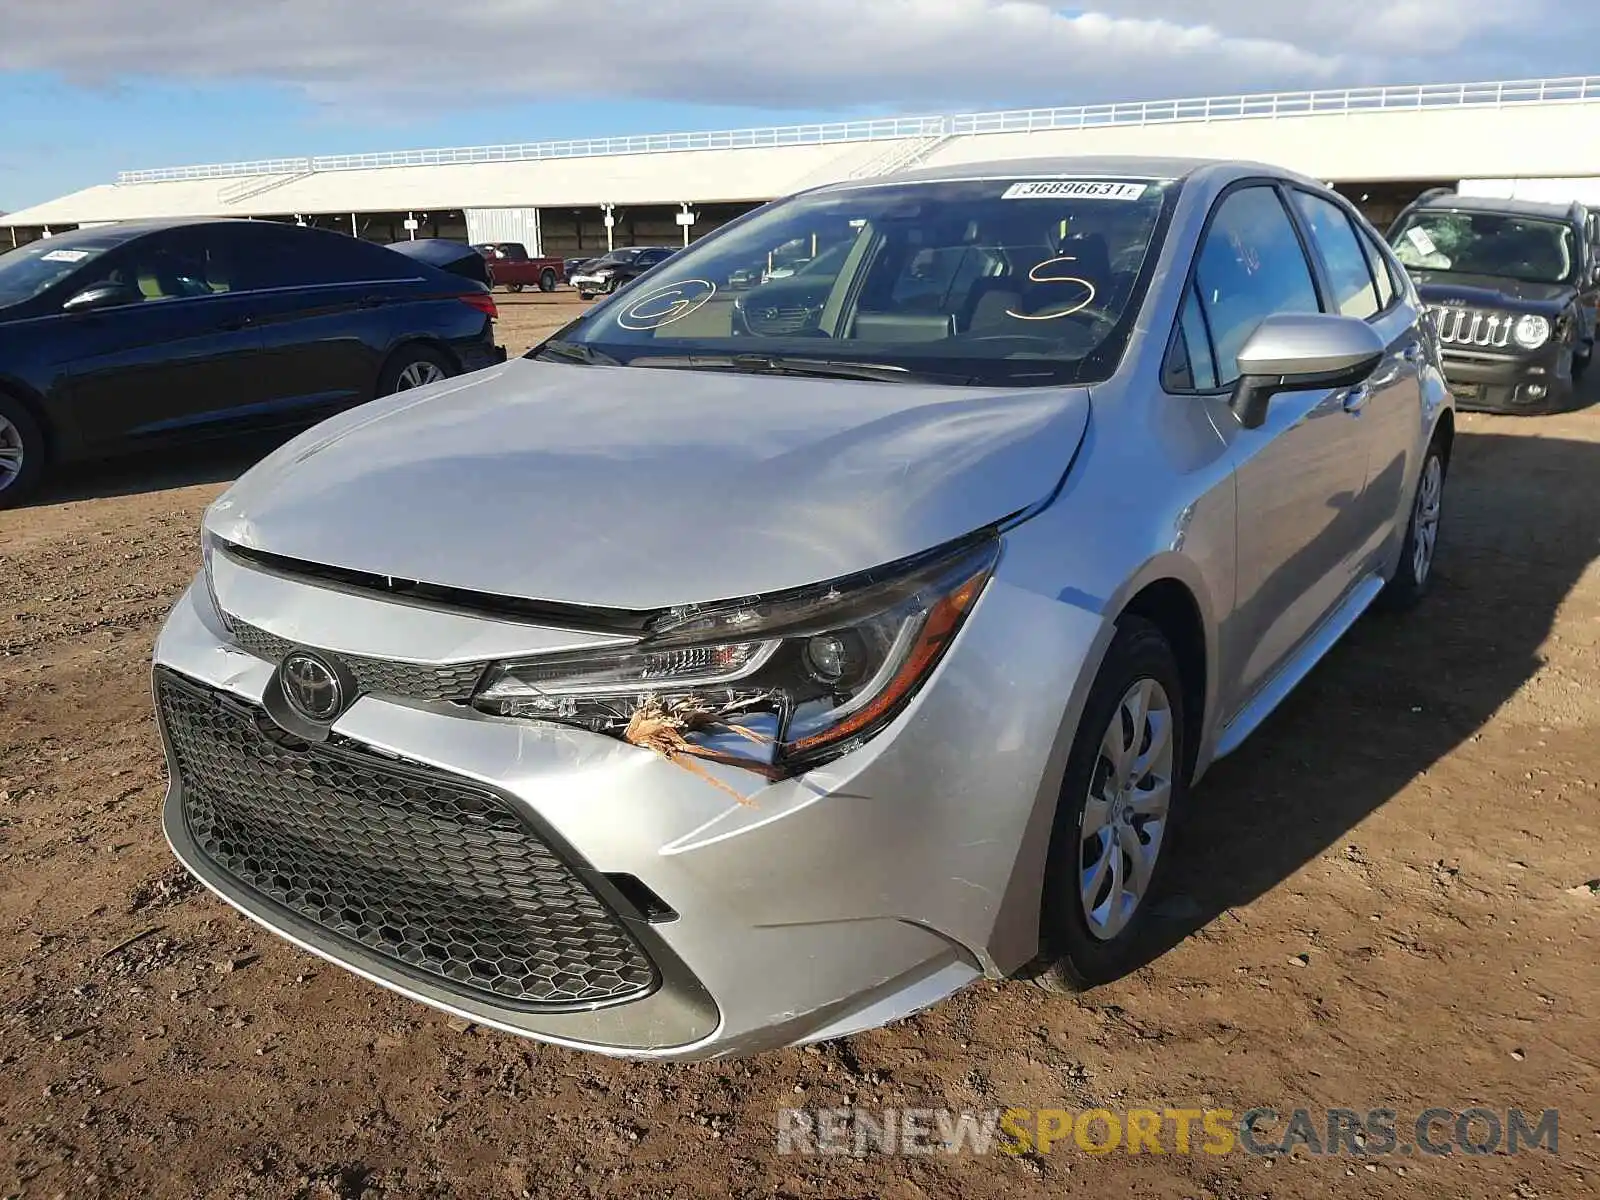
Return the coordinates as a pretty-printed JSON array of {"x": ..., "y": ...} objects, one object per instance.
[{"x": 439, "y": 875}]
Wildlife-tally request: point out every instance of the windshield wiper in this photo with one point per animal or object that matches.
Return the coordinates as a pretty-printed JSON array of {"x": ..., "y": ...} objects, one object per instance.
[
  {"x": 576, "y": 352},
  {"x": 784, "y": 364}
]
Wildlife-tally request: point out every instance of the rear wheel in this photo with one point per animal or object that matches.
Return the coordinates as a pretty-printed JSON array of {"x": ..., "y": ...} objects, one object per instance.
[
  {"x": 547, "y": 280},
  {"x": 1125, "y": 782},
  {"x": 413, "y": 367},
  {"x": 22, "y": 452}
]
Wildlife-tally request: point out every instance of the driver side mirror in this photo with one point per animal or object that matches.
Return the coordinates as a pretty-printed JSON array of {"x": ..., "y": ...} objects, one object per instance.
[
  {"x": 102, "y": 295},
  {"x": 1292, "y": 352}
]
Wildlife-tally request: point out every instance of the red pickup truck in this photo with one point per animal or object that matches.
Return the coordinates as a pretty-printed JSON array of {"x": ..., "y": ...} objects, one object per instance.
[{"x": 511, "y": 266}]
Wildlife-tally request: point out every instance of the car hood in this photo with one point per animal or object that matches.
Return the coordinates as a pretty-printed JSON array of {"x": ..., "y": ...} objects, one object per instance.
[
  {"x": 1491, "y": 291},
  {"x": 637, "y": 488}
]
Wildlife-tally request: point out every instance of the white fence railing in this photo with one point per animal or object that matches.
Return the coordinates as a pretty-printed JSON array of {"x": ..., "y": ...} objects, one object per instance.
[{"x": 1147, "y": 112}]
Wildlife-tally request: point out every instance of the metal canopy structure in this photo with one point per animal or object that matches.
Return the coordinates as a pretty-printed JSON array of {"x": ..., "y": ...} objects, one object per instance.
[{"x": 1506, "y": 129}]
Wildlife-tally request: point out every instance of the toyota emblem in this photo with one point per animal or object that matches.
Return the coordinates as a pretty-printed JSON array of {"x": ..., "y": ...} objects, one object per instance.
[{"x": 312, "y": 687}]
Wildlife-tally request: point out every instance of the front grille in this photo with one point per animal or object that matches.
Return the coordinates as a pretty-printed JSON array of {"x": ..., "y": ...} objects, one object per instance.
[
  {"x": 774, "y": 321},
  {"x": 380, "y": 676},
  {"x": 434, "y": 873},
  {"x": 1465, "y": 327}
]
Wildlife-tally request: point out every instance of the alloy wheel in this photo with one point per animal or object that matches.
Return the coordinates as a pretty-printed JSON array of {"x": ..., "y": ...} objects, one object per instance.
[
  {"x": 11, "y": 452},
  {"x": 1425, "y": 521},
  {"x": 1125, "y": 814},
  {"x": 418, "y": 374}
]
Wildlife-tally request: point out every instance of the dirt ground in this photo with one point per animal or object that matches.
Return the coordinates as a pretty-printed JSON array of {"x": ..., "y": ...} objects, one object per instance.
[{"x": 1381, "y": 904}]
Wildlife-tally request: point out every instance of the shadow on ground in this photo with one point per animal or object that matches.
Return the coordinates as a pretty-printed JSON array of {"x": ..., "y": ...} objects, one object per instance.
[
  {"x": 1516, "y": 537},
  {"x": 158, "y": 471}
]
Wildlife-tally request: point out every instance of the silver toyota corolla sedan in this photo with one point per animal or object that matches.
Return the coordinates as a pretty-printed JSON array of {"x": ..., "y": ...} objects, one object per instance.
[{"x": 752, "y": 665}]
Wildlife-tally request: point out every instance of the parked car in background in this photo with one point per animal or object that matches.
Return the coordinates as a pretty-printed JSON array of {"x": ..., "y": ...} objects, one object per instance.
[
  {"x": 122, "y": 337},
  {"x": 1512, "y": 286},
  {"x": 573, "y": 266},
  {"x": 681, "y": 691},
  {"x": 513, "y": 268},
  {"x": 618, "y": 267}
]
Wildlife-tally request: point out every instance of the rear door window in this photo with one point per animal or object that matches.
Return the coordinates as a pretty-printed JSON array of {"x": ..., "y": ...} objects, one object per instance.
[
  {"x": 1354, "y": 291},
  {"x": 1382, "y": 274},
  {"x": 278, "y": 256}
]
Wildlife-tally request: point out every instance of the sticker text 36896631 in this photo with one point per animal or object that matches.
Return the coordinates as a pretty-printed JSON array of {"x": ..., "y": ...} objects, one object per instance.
[{"x": 1074, "y": 189}]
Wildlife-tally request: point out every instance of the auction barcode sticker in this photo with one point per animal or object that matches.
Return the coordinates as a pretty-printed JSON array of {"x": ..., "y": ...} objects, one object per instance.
[{"x": 1074, "y": 189}]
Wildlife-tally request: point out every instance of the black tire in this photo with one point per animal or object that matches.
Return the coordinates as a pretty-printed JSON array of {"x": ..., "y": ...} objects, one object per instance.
[
  {"x": 1407, "y": 588},
  {"x": 585, "y": 295},
  {"x": 428, "y": 362},
  {"x": 513, "y": 287},
  {"x": 547, "y": 280},
  {"x": 19, "y": 431},
  {"x": 1072, "y": 956}
]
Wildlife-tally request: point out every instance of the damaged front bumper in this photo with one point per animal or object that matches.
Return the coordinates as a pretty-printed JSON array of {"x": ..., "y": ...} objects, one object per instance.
[
  {"x": 664, "y": 919},
  {"x": 1482, "y": 381}
]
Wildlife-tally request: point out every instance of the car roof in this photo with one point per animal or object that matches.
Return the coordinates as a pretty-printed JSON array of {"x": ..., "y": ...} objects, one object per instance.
[
  {"x": 115, "y": 233},
  {"x": 1113, "y": 165},
  {"x": 1495, "y": 204}
]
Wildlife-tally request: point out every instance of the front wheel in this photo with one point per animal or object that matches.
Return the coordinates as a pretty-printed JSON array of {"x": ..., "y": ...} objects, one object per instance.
[
  {"x": 1411, "y": 577},
  {"x": 22, "y": 452},
  {"x": 413, "y": 367},
  {"x": 1126, "y": 780},
  {"x": 547, "y": 280},
  {"x": 513, "y": 287}
]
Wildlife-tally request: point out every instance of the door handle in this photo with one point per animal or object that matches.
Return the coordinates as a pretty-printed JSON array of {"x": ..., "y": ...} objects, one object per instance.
[
  {"x": 1356, "y": 398},
  {"x": 235, "y": 324}
]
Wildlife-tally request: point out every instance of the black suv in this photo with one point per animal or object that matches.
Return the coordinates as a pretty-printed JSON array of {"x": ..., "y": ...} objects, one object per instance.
[{"x": 1512, "y": 287}]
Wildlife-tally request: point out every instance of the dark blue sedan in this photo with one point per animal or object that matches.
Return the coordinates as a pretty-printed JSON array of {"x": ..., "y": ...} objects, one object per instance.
[{"x": 131, "y": 335}]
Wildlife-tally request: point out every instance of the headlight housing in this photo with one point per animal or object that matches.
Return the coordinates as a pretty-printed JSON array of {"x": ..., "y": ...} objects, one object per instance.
[
  {"x": 782, "y": 684},
  {"x": 208, "y": 549},
  {"x": 1531, "y": 331}
]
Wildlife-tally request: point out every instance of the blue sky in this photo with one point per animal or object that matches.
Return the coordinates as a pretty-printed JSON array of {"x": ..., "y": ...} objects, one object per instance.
[{"x": 90, "y": 87}]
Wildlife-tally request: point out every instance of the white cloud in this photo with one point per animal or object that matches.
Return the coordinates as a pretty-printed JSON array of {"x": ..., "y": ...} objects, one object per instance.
[{"x": 822, "y": 54}]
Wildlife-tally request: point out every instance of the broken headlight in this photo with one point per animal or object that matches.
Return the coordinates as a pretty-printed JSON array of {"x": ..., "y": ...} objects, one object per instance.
[{"x": 778, "y": 684}]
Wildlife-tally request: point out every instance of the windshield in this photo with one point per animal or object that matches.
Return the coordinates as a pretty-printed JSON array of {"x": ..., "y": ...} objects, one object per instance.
[
  {"x": 1474, "y": 243},
  {"x": 30, "y": 270},
  {"x": 989, "y": 282}
]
